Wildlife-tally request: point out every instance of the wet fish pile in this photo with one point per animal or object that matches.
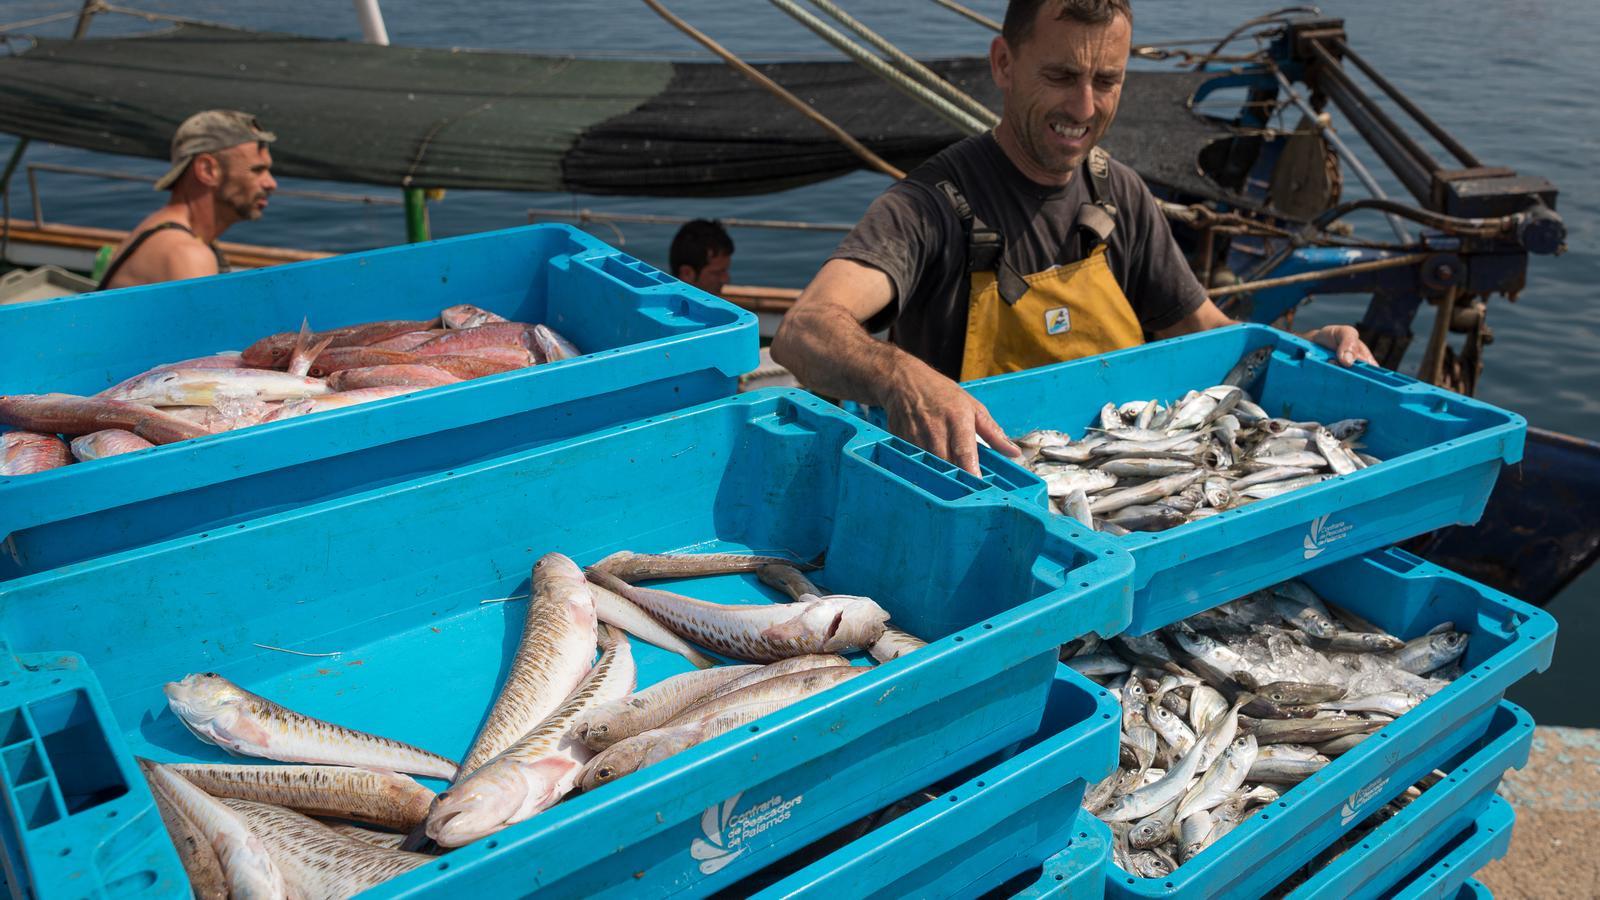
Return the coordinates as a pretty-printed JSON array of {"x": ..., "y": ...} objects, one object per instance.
[
  {"x": 281, "y": 376},
  {"x": 345, "y": 814},
  {"x": 1228, "y": 709},
  {"x": 1150, "y": 466}
]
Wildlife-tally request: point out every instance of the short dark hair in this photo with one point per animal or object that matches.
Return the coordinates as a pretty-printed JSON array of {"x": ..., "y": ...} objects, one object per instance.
[
  {"x": 1020, "y": 15},
  {"x": 696, "y": 242}
]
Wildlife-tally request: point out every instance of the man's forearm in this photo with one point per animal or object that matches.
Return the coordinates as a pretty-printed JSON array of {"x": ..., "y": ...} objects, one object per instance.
[{"x": 830, "y": 353}]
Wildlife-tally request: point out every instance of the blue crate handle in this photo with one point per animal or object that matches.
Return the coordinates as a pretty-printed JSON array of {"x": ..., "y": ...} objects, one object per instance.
[
  {"x": 1488, "y": 839},
  {"x": 1078, "y": 872},
  {"x": 997, "y": 469},
  {"x": 1062, "y": 547},
  {"x": 52, "y": 840}
]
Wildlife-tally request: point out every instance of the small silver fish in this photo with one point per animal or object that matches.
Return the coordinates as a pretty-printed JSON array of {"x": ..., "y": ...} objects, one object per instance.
[
  {"x": 1145, "y": 493},
  {"x": 1431, "y": 651},
  {"x": 1249, "y": 366}
]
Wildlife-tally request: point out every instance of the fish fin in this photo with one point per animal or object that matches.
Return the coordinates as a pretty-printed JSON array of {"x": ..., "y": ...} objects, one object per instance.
[
  {"x": 302, "y": 345},
  {"x": 700, "y": 660},
  {"x": 787, "y": 630},
  {"x": 417, "y": 841},
  {"x": 301, "y": 360}
]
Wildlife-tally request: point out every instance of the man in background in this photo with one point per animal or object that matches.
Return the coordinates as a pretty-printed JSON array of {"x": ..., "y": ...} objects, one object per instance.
[
  {"x": 221, "y": 174},
  {"x": 702, "y": 254}
]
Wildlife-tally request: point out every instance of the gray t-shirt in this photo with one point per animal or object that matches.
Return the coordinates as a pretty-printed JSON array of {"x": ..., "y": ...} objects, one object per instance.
[{"x": 911, "y": 233}]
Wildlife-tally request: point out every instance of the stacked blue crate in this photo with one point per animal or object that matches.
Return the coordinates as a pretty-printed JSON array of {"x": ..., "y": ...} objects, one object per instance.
[
  {"x": 391, "y": 581},
  {"x": 653, "y": 344}
]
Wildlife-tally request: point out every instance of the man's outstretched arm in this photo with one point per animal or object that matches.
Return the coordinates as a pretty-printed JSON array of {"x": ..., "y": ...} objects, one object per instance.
[{"x": 823, "y": 342}]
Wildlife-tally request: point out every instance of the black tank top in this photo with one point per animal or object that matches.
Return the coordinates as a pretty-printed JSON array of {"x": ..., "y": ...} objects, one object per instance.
[{"x": 116, "y": 265}]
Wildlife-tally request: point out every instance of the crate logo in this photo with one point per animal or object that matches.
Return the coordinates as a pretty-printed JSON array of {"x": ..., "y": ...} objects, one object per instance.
[
  {"x": 728, "y": 833},
  {"x": 1058, "y": 320},
  {"x": 1323, "y": 533},
  {"x": 1360, "y": 798}
]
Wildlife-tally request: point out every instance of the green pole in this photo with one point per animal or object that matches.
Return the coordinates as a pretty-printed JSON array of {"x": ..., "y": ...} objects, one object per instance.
[{"x": 416, "y": 215}]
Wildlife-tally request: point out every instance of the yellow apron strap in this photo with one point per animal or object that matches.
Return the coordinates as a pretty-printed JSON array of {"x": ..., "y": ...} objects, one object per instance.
[{"x": 1068, "y": 312}]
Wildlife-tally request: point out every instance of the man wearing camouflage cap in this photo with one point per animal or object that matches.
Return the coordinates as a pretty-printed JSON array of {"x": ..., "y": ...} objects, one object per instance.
[{"x": 221, "y": 174}]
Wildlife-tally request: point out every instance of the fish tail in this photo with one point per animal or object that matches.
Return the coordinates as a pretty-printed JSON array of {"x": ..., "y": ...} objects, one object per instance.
[{"x": 305, "y": 351}]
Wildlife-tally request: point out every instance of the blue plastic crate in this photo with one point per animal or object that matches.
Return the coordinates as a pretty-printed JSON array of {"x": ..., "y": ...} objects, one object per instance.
[
  {"x": 1078, "y": 872},
  {"x": 1423, "y": 828},
  {"x": 78, "y": 817},
  {"x": 1405, "y": 596},
  {"x": 654, "y": 345},
  {"x": 1441, "y": 455},
  {"x": 392, "y": 580},
  {"x": 1473, "y": 889},
  {"x": 1006, "y": 816},
  {"x": 1445, "y": 874}
]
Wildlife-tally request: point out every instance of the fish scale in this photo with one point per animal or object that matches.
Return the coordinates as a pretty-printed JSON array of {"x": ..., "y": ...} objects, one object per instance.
[
  {"x": 538, "y": 770},
  {"x": 220, "y": 712},
  {"x": 72, "y": 415},
  {"x": 365, "y": 795},
  {"x": 316, "y": 861},
  {"x": 706, "y": 721},
  {"x": 200, "y": 863},
  {"x": 249, "y": 869},
  {"x": 607, "y": 723},
  {"x": 557, "y": 646},
  {"x": 759, "y": 632},
  {"x": 27, "y": 452},
  {"x": 630, "y": 567}
]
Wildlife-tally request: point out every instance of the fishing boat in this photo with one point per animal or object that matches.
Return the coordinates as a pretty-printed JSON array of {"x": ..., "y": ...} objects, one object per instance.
[{"x": 1243, "y": 140}]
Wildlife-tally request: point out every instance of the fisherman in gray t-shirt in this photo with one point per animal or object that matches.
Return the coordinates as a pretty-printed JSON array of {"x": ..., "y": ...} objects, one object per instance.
[{"x": 1013, "y": 249}]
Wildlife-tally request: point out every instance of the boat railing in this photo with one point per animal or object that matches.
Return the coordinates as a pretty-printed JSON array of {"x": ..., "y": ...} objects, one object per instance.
[
  {"x": 112, "y": 175},
  {"x": 613, "y": 219}
]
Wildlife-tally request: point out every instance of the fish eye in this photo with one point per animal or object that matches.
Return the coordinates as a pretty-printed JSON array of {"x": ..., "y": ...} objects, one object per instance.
[
  {"x": 209, "y": 675},
  {"x": 604, "y": 772}
]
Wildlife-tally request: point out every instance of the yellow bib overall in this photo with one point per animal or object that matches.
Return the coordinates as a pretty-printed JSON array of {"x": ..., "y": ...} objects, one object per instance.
[
  {"x": 1068, "y": 312},
  {"x": 1016, "y": 321}
]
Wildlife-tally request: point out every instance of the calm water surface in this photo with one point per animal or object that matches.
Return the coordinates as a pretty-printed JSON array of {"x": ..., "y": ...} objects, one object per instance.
[{"x": 1508, "y": 78}]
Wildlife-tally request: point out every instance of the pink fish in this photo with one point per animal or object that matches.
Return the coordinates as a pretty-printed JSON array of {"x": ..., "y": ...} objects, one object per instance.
[
  {"x": 229, "y": 360},
  {"x": 110, "y": 442},
  {"x": 273, "y": 351},
  {"x": 466, "y": 315},
  {"x": 481, "y": 362},
  {"x": 411, "y": 340},
  {"x": 27, "y": 452},
  {"x": 384, "y": 376},
  {"x": 551, "y": 346},
  {"x": 292, "y": 409},
  {"x": 72, "y": 415},
  {"x": 466, "y": 340}
]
